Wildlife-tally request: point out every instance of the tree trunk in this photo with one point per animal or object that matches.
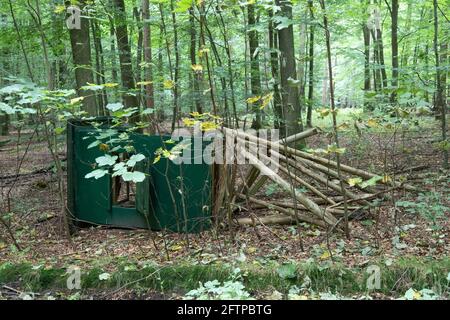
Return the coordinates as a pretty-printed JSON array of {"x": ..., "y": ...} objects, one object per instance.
[
  {"x": 176, "y": 107},
  {"x": 99, "y": 65},
  {"x": 126, "y": 67},
  {"x": 394, "y": 42},
  {"x": 311, "y": 67},
  {"x": 196, "y": 75},
  {"x": 255, "y": 78},
  {"x": 366, "y": 34},
  {"x": 380, "y": 47},
  {"x": 440, "y": 85},
  {"x": 291, "y": 122},
  {"x": 277, "y": 104},
  {"x": 147, "y": 44},
  {"x": 81, "y": 52}
]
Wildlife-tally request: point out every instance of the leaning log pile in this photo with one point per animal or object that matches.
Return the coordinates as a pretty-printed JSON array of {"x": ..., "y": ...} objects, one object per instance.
[{"x": 311, "y": 183}]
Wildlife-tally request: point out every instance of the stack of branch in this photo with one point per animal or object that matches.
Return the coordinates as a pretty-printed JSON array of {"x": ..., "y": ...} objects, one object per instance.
[{"x": 312, "y": 182}]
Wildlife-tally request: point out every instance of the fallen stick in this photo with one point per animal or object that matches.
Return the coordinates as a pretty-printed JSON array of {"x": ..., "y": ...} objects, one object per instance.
[
  {"x": 310, "y": 205},
  {"x": 291, "y": 174},
  {"x": 299, "y": 136},
  {"x": 267, "y": 220},
  {"x": 300, "y": 216}
]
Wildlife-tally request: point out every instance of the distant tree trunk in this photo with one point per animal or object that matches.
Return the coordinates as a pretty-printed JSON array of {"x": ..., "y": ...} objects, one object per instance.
[
  {"x": 196, "y": 75},
  {"x": 4, "y": 125},
  {"x": 147, "y": 43},
  {"x": 380, "y": 47},
  {"x": 4, "y": 118},
  {"x": 325, "y": 98},
  {"x": 176, "y": 107},
  {"x": 404, "y": 54},
  {"x": 440, "y": 85},
  {"x": 255, "y": 78},
  {"x": 290, "y": 94},
  {"x": 229, "y": 66},
  {"x": 366, "y": 34},
  {"x": 139, "y": 48},
  {"x": 162, "y": 101},
  {"x": 311, "y": 67},
  {"x": 277, "y": 103},
  {"x": 394, "y": 42},
  {"x": 19, "y": 38},
  {"x": 81, "y": 52},
  {"x": 100, "y": 65},
  {"x": 126, "y": 67},
  {"x": 302, "y": 55},
  {"x": 114, "y": 74},
  {"x": 333, "y": 113},
  {"x": 427, "y": 70}
]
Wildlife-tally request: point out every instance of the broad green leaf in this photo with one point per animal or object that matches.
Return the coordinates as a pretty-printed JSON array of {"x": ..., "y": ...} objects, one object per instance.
[
  {"x": 135, "y": 176},
  {"x": 114, "y": 106},
  {"x": 106, "y": 160},
  {"x": 135, "y": 159},
  {"x": 97, "y": 174}
]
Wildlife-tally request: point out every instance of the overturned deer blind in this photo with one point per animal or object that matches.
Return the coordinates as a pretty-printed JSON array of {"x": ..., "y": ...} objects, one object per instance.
[
  {"x": 193, "y": 179},
  {"x": 170, "y": 195},
  {"x": 311, "y": 185}
]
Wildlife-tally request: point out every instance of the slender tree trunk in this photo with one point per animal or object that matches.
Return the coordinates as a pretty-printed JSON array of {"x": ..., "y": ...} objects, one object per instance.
[
  {"x": 19, "y": 37},
  {"x": 147, "y": 43},
  {"x": 302, "y": 56},
  {"x": 380, "y": 48},
  {"x": 176, "y": 107},
  {"x": 311, "y": 66},
  {"x": 366, "y": 34},
  {"x": 394, "y": 42},
  {"x": 100, "y": 71},
  {"x": 126, "y": 68},
  {"x": 255, "y": 78},
  {"x": 81, "y": 53},
  {"x": 292, "y": 121},
  {"x": 277, "y": 103},
  {"x": 197, "y": 74},
  {"x": 229, "y": 66},
  {"x": 440, "y": 99},
  {"x": 333, "y": 109}
]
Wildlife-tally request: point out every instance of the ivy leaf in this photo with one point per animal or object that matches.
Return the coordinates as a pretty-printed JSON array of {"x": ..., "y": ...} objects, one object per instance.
[
  {"x": 97, "y": 174},
  {"x": 106, "y": 160}
]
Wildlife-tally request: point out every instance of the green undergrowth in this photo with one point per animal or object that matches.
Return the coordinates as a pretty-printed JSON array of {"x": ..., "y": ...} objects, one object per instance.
[{"x": 396, "y": 278}]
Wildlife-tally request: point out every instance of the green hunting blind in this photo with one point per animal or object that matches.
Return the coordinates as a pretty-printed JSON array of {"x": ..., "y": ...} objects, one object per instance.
[{"x": 174, "y": 197}]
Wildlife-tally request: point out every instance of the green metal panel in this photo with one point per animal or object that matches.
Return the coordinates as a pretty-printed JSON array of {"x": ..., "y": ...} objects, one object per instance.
[{"x": 173, "y": 197}]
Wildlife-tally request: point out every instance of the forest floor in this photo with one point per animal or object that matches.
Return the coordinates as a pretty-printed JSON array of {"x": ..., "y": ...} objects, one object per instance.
[{"x": 417, "y": 230}]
